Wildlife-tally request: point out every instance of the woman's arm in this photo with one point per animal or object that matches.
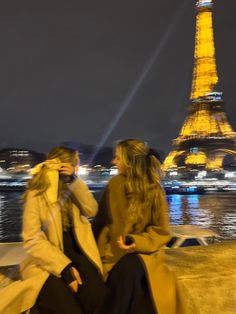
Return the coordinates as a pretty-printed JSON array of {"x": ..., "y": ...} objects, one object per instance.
[
  {"x": 36, "y": 244},
  {"x": 83, "y": 198},
  {"x": 157, "y": 234}
]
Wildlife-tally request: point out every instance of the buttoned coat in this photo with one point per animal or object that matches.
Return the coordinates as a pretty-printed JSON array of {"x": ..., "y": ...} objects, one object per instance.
[{"x": 43, "y": 242}]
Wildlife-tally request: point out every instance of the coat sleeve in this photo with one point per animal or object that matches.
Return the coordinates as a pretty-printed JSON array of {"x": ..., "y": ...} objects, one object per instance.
[
  {"x": 157, "y": 232},
  {"x": 36, "y": 244},
  {"x": 83, "y": 198}
]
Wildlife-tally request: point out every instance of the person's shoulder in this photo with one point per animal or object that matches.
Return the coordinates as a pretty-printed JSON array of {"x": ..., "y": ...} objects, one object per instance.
[{"x": 116, "y": 180}]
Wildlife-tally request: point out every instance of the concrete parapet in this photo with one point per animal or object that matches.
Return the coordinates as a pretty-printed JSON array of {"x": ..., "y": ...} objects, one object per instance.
[
  {"x": 11, "y": 253},
  {"x": 205, "y": 277}
]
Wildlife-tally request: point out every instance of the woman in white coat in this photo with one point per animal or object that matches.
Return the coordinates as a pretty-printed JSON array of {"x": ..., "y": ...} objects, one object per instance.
[{"x": 63, "y": 263}]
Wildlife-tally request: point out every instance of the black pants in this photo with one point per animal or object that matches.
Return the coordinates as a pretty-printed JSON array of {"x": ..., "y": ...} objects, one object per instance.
[
  {"x": 128, "y": 289},
  {"x": 56, "y": 298}
]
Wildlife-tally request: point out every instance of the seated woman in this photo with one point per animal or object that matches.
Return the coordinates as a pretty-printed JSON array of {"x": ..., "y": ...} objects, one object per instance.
[
  {"x": 131, "y": 228},
  {"x": 63, "y": 259}
]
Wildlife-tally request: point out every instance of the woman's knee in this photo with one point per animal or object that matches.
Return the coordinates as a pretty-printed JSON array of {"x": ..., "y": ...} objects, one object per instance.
[
  {"x": 130, "y": 263},
  {"x": 56, "y": 297},
  {"x": 128, "y": 267}
]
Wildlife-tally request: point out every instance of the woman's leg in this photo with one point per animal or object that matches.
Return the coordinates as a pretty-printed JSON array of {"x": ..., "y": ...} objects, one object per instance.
[
  {"x": 128, "y": 291},
  {"x": 56, "y": 298},
  {"x": 93, "y": 291}
]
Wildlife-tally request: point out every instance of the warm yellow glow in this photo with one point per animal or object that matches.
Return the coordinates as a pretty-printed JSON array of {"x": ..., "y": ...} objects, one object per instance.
[
  {"x": 206, "y": 119},
  {"x": 170, "y": 160},
  {"x": 199, "y": 123},
  {"x": 225, "y": 127},
  {"x": 204, "y": 123},
  {"x": 205, "y": 74},
  {"x": 215, "y": 159},
  {"x": 196, "y": 159},
  {"x": 215, "y": 162}
]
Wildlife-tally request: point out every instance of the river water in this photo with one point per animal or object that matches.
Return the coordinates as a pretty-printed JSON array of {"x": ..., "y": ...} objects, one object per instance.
[{"x": 214, "y": 211}]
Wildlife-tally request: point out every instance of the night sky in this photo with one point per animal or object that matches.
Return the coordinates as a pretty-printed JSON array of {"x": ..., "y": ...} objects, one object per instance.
[{"x": 97, "y": 71}]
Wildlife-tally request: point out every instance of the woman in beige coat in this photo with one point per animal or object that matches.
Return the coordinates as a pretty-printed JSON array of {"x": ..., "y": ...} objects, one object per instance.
[
  {"x": 131, "y": 229},
  {"x": 62, "y": 273}
]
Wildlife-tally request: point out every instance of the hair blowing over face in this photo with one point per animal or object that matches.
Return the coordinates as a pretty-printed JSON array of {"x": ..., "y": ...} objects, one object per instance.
[{"x": 39, "y": 182}]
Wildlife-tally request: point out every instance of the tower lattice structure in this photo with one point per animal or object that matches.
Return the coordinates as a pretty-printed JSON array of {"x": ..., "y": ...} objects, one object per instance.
[{"x": 206, "y": 136}]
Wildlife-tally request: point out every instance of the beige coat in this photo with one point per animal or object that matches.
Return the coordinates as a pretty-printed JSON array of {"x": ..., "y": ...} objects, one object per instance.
[
  {"x": 42, "y": 235},
  {"x": 150, "y": 235}
]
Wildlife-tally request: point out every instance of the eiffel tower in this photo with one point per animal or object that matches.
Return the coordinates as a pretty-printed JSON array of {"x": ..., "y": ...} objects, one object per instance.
[{"x": 206, "y": 137}]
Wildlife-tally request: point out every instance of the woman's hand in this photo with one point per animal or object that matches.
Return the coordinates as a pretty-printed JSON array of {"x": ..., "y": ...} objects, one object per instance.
[
  {"x": 67, "y": 169},
  {"x": 74, "y": 285},
  {"x": 127, "y": 248}
]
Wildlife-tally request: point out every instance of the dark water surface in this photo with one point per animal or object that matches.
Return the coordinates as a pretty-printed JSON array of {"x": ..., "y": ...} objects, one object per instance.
[{"x": 214, "y": 211}]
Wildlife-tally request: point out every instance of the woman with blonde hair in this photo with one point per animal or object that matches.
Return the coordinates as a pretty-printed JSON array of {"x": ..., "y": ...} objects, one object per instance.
[
  {"x": 63, "y": 267},
  {"x": 131, "y": 229}
]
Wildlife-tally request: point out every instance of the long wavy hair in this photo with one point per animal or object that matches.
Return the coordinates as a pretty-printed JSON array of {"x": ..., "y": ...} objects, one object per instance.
[
  {"x": 40, "y": 182},
  {"x": 142, "y": 170}
]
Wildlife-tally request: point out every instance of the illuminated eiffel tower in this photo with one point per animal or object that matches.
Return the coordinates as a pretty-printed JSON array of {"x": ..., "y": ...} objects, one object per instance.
[{"x": 206, "y": 136}]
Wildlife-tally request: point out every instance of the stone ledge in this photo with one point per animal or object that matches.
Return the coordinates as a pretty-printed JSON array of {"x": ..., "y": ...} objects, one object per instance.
[
  {"x": 11, "y": 253},
  {"x": 205, "y": 278}
]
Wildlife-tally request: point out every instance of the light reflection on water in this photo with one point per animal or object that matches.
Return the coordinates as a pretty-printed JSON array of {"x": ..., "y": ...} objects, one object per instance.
[
  {"x": 214, "y": 211},
  {"x": 10, "y": 216}
]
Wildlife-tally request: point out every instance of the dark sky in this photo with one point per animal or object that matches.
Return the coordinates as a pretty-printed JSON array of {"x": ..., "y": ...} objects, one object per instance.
[{"x": 68, "y": 68}]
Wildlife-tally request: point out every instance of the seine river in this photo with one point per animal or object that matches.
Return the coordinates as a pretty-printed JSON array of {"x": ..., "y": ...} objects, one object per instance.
[{"x": 214, "y": 211}]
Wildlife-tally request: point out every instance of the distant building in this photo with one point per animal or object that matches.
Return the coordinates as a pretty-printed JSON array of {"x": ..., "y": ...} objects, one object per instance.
[{"x": 17, "y": 160}]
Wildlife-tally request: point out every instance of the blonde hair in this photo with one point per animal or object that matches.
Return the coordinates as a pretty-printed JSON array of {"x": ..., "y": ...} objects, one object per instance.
[
  {"x": 39, "y": 182},
  {"x": 142, "y": 171}
]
